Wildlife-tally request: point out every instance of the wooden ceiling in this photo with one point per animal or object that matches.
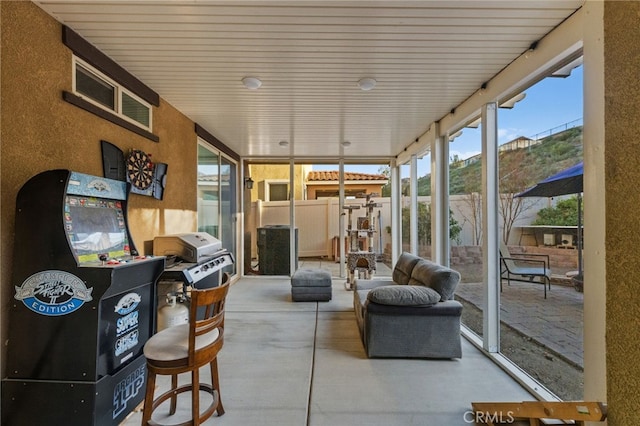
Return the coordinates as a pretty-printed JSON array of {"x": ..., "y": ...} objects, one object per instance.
[{"x": 427, "y": 57}]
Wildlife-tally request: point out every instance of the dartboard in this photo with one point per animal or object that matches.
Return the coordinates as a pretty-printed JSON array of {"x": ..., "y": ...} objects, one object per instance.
[{"x": 139, "y": 169}]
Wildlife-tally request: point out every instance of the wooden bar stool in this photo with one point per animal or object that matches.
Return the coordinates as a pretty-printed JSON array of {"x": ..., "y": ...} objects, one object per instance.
[{"x": 186, "y": 348}]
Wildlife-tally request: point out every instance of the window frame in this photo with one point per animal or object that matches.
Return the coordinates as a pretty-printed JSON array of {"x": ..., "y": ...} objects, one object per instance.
[
  {"x": 269, "y": 182},
  {"x": 119, "y": 89}
]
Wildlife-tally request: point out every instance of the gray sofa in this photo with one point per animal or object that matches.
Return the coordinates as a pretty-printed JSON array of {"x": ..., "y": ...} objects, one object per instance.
[{"x": 413, "y": 315}]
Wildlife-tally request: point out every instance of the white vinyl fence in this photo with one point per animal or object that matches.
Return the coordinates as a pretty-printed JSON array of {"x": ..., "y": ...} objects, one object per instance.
[{"x": 318, "y": 221}]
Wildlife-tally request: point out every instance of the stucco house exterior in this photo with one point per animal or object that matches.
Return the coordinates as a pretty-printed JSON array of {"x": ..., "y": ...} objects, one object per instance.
[{"x": 323, "y": 184}]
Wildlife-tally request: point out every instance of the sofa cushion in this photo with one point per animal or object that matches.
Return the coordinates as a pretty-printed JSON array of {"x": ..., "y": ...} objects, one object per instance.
[
  {"x": 408, "y": 295},
  {"x": 402, "y": 270},
  {"x": 450, "y": 308},
  {"x": 362, "y": 284},
  {"x": 438, "y": 277}
]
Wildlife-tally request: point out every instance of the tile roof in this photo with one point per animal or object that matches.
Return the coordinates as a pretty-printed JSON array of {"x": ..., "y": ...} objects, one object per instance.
[{"x": 329, "y": 176}]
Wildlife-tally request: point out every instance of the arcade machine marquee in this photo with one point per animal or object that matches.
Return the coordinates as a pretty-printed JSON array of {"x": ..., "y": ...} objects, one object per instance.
[{"x": 83, "y": 307}]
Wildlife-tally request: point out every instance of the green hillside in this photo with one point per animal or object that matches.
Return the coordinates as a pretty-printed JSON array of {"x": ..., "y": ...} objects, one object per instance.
[{"x": 519, "y": 169}]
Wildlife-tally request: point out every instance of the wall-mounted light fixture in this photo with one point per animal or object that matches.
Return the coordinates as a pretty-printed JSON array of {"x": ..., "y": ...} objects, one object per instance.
[{"x": 248, "y": 182}]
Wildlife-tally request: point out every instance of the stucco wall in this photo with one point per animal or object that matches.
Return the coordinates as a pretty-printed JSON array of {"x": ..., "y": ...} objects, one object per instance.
[
  {"x": 40, "y": 131},
  {"x": 279, "y": 172},
  {"x": 622, "y": 165}
]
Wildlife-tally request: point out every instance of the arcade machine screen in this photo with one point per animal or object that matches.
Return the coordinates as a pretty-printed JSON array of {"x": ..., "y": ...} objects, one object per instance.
[{"x": 95, "y": 226}]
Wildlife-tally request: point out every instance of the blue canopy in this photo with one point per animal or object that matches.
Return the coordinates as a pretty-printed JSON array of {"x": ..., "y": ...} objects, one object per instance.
[{"x": 568, "y": 181}]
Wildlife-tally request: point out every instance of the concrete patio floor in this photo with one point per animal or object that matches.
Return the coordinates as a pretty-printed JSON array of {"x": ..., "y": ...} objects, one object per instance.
[{"x": 285, "y": 363}]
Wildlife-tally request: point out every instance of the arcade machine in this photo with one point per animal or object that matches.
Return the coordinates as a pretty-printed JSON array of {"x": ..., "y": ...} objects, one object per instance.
[{"x": 83, "y": 306}]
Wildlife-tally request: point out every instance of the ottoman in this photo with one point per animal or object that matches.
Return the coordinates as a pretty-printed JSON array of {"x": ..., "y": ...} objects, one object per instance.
[{"x": 311, "y": 285}]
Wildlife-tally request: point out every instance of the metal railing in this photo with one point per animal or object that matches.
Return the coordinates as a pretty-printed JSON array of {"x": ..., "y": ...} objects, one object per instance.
[{"x": 558, "y": 129}]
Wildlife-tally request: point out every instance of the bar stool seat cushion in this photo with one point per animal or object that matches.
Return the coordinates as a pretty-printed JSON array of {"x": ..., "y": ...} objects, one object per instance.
[{"x": 172, "y": 343}]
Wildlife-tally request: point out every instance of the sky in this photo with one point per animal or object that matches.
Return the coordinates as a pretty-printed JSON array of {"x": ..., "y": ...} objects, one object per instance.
[
  {"x": 547, "y": 108},
  {"x": 550, "y": 104}
]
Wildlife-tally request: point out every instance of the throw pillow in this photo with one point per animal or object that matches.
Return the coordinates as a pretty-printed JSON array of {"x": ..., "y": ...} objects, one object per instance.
[
  {"x": 402, "y": 270},
  {"x": 440, "y": 278},
  {"x": 404, "y": 295}
]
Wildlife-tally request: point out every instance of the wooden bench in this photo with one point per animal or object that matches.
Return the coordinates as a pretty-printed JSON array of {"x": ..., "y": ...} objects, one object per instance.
[{"x": 536, "y": 413}]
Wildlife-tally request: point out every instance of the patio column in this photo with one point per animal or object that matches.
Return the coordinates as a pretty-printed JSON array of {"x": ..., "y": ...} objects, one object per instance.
[
  {"x": 292, "y": 219},
  {"x": 439, "y": 198},
  {"x": 342, "y": 232},
  {"x": 490, "y": 243},
  {"x": 611, "y": 197},
  {"x": 413, "y": 205},
  {"x": 596, "y": 195},
  {"x": 396, "y": 213}
]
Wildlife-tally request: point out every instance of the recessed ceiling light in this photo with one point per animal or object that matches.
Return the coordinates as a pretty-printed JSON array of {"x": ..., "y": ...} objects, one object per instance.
[
  {"x": 251, "y": 83},
  {"x": 366, "y": 83},
  {"x": 346, "y": 144},
  {"x": 283, "y": 144}
]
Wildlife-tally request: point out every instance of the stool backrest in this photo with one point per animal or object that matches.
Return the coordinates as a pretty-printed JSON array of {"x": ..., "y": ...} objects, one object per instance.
[{"x": 206, "y": 331}]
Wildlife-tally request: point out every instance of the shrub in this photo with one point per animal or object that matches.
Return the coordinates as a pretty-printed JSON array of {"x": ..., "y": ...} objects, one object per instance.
[
  {"x": 565, "y": 213},
  {"x": 424, "y": 225}
]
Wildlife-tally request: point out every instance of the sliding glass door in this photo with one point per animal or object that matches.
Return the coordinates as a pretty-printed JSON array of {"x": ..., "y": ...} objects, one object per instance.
[{"x": 217, "y": 198}]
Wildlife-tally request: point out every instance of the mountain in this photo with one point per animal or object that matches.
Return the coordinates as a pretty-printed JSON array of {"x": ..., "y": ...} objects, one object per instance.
[{"x": 519, "y": 168}]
